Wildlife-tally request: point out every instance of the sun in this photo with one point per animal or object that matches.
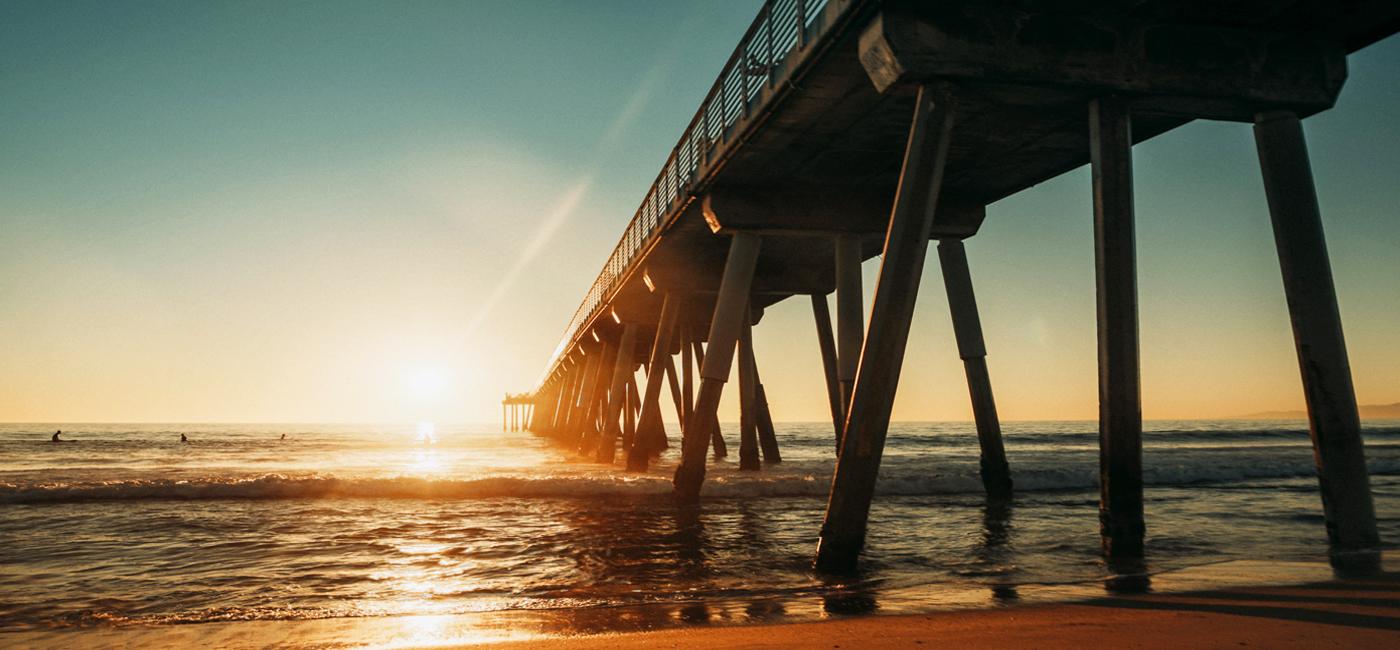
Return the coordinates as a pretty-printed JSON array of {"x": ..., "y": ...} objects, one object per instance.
[{"x": 425, "y": 383}]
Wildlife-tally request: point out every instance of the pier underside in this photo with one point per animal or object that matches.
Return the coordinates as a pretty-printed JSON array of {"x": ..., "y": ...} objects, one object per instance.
[{"x": 885, "y": 125}]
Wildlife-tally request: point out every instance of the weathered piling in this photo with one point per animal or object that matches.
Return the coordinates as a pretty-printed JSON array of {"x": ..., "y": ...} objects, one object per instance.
[
  {"x": 748, "y": 411},
  {"x": 731, "y": 308},
  {"x": 629, "y": 414},
  {"x": 767, "y": 436},
  {"x": 850, "y": 321},
  {"x": 827, "y": 343},
  {"x": 1317, "y": 331},
  {"x": 687, "y": 375},
  {"x": 967, "y": 330},
  {"x": 597, "y": 397},
  {"x": 882, "y": 357},
  {"x": 674, "y": 383},
  {"x": 1120, "y": 394},
  {"x": 642, "y": 449},
  {"x": 716, "y": 435}
]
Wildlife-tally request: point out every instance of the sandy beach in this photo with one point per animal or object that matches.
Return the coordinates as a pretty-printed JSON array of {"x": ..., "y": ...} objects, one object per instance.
[
  {"x": 1352, "y": 613},
  {"x": 1198, "y": 607}
]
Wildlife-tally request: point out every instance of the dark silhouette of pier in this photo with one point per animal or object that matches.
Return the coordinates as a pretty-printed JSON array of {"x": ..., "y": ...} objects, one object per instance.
[{"x": 846, "y": 129}]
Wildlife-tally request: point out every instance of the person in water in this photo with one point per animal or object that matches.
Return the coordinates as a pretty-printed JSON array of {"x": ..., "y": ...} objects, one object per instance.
[
  {"x": 183, "y": 438},
  {"x": 284, "y": 437},
  {"x": 55, "y": 436}
]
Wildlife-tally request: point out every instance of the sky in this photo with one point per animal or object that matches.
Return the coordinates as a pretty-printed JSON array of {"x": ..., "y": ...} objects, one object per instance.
[{"x": 384, "y": 212}]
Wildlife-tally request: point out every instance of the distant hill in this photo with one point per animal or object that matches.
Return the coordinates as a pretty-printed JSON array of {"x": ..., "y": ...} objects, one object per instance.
[{"x": 1368, "y": 412}]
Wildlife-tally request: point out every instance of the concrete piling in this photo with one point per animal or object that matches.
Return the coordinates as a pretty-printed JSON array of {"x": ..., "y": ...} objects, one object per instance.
[
  {"x": 882, "y": 356},
  {"x": 617, "y": 394},
  {"x": 967, "y": 329},
  {"x": 827, "y": 343},
  {"x": 1333, "y": 420},
  {"x": 639, "y": 453},
  {"x": 767, "y": 436},
  {"x": 1121, "y": 526},
  {"x": 850, "y": 319},
  {"x": 748, "y": 413},
  {"x": 731, "y": 309}
]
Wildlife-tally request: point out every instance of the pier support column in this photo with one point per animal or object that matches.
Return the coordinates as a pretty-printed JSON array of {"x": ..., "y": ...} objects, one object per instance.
[
  {"x": 748, "y": 412},
  {"x": 767, "y": 437},
  {"x": 674, "y": 383},
  {"x": 868, "y": 418},
  {"x": 617, "y": 394},
  {"x": 1333, "y": 420},
  {"x": 827, "y": 344},
  {"x": 687, "y": 375},
  {"x": 642, "y": 449},
  {"x": 850, "y": 319},
  {"x": 716, "y": 435},
  {"x": 596, "y": 399},
  {"x": 1120, "y": 395},
  {"x": 731, "y": 307},
  {"x": 629, "y": 414},
  {"x": 570, "y": 403},
  {"x": 967, "y": 329}
]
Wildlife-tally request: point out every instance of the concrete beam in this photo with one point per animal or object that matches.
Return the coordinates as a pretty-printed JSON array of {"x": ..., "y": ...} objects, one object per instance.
[
  {"x": 1166, "y": 67},
  {"x": 824, "y": 210}
]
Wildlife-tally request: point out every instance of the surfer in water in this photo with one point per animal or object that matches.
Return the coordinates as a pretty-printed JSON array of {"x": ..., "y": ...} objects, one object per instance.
[
  {"x": 55, "y": 436},
  {"x": 183, "y": 438},
  {"x": 284, "y": 437}
]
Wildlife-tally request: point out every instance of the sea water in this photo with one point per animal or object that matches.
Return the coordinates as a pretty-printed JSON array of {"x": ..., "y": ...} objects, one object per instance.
[{"x": 125, "y": 525}]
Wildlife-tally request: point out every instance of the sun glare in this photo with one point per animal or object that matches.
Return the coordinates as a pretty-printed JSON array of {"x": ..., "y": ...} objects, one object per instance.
[
  {"x": 425, "y": 384},
  {"x": 427, "y": 432}
]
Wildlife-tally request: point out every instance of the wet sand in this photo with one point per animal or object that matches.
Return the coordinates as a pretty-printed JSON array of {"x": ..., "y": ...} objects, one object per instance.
[
  {"x": 1357, "y": 613},
  {"x": 1211, "y": 606}
]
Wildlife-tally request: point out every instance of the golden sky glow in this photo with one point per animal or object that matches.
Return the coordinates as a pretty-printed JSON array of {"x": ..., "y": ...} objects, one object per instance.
[{"x": 367, "y": 232}]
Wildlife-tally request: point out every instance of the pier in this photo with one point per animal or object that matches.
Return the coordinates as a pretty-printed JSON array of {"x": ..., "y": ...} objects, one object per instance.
[{"x": 847, "y": 129}]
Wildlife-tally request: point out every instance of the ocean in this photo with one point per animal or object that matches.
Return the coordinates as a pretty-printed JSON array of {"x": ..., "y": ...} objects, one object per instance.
[{"x": 126, "y": 526}]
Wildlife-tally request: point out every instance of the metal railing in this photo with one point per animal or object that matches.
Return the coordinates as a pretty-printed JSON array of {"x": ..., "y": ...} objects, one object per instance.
[{"x": 780, "y": 29}]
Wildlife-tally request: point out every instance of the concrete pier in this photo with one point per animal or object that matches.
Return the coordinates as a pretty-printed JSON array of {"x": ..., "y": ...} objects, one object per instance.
[{"x": 805, "y": 143}]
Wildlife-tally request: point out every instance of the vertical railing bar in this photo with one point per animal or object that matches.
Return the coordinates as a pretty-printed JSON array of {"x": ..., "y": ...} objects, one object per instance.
[
  {"x": 801, "y": 24},
  {"x": 768, "y": 30}
]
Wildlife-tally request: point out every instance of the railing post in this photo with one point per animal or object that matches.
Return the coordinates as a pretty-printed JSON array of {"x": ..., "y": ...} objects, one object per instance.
[
  {"x": 801, "y": 24},
  {"x": 768, "y": 29},
  {"x": 743, "y": 69}
]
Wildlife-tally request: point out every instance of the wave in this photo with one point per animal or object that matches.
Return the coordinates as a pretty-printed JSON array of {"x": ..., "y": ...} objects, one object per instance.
[{"x": 906, "y": 478}]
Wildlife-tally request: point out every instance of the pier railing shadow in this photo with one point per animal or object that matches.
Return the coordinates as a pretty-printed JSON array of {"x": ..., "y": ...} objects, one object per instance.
[{"x": 1330, "y": 603}]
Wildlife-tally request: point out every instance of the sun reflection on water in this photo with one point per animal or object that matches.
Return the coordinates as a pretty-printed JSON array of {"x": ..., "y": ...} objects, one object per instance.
[
  {"x": 425, "y": 462},
  {"x": 427, "y": 432}
]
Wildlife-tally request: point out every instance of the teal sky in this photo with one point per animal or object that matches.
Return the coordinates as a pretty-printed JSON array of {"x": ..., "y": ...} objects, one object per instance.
[{"x": 387, "y": 211}]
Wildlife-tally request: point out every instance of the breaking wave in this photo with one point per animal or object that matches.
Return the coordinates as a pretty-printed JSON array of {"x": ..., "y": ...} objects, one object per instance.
[{"x": 901, "y": 476}]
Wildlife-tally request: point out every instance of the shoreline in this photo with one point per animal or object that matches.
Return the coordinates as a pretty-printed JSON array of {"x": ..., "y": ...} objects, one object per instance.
[
  {"x": 1275, "y": 603},
  {"x": 1353, "y": 612}
]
